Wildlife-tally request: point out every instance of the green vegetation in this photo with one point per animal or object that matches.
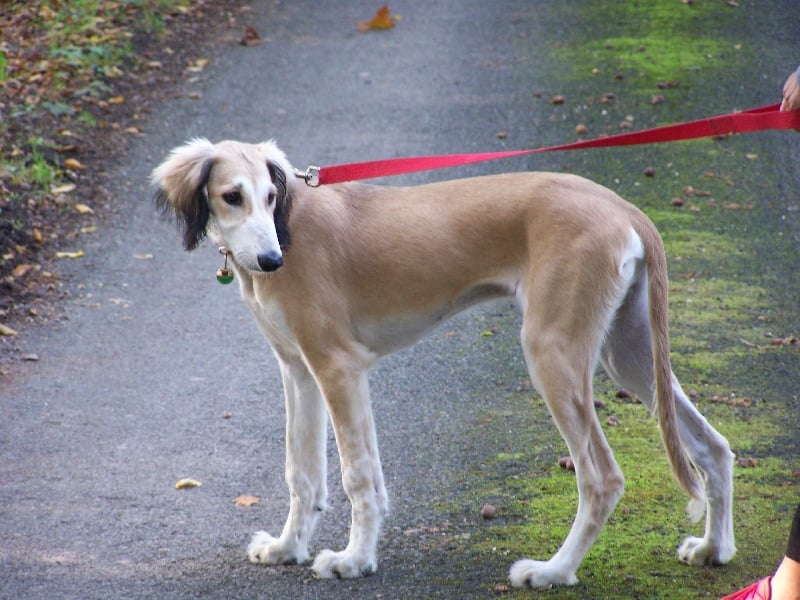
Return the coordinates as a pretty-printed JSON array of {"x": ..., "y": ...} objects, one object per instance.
[{"x": 63, "y": 68}]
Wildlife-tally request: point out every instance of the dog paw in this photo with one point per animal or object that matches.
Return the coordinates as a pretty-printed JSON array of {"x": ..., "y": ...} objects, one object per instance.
[
  {"x": 343, "y": 565},
  {"x": 539, "y": 575},
  {"x": 265, "y": 549},
  {"x": 699, "y": 552}
]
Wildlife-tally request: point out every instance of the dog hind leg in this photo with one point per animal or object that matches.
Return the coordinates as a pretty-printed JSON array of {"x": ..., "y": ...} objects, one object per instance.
[
  {"x": 564, "y": 379},
  {"x": 306, "y": 423},
  {"x": 627, "y": 358}
]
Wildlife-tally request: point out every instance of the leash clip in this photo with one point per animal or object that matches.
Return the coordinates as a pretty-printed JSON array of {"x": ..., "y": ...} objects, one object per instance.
[{"x": 310, "y": 176}]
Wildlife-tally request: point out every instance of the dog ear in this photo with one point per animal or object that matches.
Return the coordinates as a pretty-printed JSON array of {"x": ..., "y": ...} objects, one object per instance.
[
  {"x": 182, "y": 179},
  {"x": 283, "y": 205}
]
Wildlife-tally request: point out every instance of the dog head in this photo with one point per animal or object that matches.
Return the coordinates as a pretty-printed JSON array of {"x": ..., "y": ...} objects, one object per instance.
[{"x": 238, "y": 194}]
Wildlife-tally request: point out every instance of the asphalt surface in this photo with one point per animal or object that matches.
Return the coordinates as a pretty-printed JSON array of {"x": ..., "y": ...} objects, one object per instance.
[{"x": 157, "y": 373}]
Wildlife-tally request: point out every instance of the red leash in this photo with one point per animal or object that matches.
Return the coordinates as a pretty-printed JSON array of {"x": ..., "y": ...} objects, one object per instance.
[{"x": 755, "y": 119}]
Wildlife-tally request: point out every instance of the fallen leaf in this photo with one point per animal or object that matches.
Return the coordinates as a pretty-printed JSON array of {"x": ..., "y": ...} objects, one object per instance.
[
  {"x": 250, "y": 37},
  {"x": 581, "y": 129},
  {"x": 116, "y": 100},
  {"x": 77, "y": 254},
  {"x": 6, "y": 330},
  {"x": 84, "y": 209},
  {"x": 246, "y": 501},
  {"x": 187, "y": 484},
  {"x": 558, "y": 99},
  {"x": 382, "y": 20},
  {"x": 74, "y": 163},
  {"x": 63, "y": 189},
  {"x": 22, "y": 270},
  {"x": 198, "y": 65}
]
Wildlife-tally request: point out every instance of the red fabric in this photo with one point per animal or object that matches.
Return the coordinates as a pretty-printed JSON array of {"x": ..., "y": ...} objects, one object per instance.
[
  {"x": 760, "y": 590},
  {"x": 755, "y": 119}
]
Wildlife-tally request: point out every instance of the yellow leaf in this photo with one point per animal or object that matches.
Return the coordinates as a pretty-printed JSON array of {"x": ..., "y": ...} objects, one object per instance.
[
  {"x": 381, "y": 20},
  {"x": 63, "y": 189},
  {"x": 37, "y": 236},
  {"x": 187, "y": 484},
  {"x": 73, "y": 163},
  {"x": 116, "y": 100},
  {"x": 78, "y": 254},
  {"x": 4, "y": 330},
  {"x": 22, "y": 270},
  {"x": 246, "y": 501},
  {"x": 84, "y": 209}
]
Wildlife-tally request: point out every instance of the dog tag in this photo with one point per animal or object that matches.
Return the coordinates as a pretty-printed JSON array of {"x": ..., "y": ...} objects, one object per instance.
[{"x": 224, "y": 275}]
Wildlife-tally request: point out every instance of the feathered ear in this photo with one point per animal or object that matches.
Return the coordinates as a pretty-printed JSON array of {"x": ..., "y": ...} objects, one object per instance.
[
  {"x": 181, "y": 181},
  {"x": 283, "y": 204}
]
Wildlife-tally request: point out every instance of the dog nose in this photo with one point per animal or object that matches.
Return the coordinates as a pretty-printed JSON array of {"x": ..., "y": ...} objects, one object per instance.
[{"x": 270, "y": 261}]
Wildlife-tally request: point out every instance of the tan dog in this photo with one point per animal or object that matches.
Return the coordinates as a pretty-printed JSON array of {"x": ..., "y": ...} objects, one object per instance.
[{"x": 341, "y": 275}]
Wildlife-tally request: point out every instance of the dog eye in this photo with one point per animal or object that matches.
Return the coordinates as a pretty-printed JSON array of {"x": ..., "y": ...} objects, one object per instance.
[
  {"x": 271, "y": 199},
  {"x": 232, "y": 198}
]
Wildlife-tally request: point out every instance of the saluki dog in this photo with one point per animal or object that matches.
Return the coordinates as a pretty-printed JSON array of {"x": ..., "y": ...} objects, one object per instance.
[{"x": 341, "y": 275}]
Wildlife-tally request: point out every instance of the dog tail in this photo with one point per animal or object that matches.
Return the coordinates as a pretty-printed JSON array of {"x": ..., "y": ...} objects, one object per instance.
[{"x": 656, "y": 262}]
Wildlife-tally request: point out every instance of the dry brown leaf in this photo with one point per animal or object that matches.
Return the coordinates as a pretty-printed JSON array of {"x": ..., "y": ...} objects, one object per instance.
[
  {"x": 37, "y": 236},
  {"x": 74, "y": 163},
  {"x": 381, "y": 20},
  {"x": 22, "y": 270},
  {"x": 250, "y": 37},
  {"x": 246, "y": 501}
]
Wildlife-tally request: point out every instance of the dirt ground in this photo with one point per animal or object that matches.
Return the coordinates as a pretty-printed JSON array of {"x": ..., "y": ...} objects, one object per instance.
[{"x": 35, "y": 223}]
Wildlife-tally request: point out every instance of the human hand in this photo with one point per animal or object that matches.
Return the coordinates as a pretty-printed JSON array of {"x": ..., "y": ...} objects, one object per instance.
[{"x": 791, "y": 92}]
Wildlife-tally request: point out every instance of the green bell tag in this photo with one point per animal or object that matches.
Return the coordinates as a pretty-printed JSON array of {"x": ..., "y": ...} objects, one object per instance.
[{"x": 224, "y": 275}]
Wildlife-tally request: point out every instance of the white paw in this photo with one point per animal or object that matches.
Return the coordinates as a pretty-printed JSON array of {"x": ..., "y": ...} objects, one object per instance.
[
  {"x": 344, "y": 565},
  {"x": 268, "y": 550},
  {"x": 539, "y": 575},
  {"x": 698, "y": 552}
]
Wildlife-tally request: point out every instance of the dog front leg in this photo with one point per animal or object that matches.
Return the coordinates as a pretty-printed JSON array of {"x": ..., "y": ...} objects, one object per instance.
[
  {"x": 347, "y": 396},
  {"x": 306, "y": 421}
]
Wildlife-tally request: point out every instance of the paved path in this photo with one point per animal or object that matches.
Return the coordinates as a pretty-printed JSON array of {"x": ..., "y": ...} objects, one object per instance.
[{"x": 131, "y": 387}]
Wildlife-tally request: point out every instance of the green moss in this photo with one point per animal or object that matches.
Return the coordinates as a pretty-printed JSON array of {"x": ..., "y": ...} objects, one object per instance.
[{"x": 656, "y": 41}]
